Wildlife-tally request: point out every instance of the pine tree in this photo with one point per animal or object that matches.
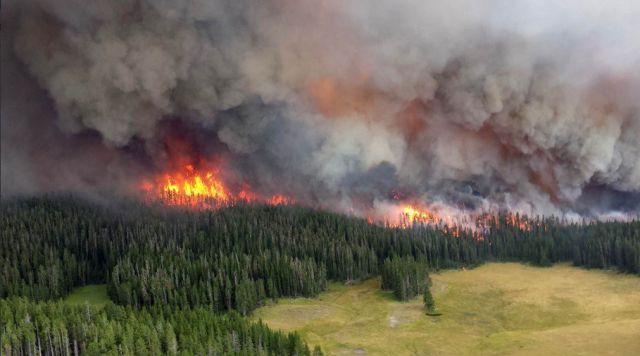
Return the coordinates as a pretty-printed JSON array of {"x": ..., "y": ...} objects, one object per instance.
[
  {"x": 429, "y": 303},
  {"x": 170, "y": 342}
]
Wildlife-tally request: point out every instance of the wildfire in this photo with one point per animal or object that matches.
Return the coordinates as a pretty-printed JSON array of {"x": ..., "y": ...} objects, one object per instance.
[
  {"x": 205, "y": 189},
  {"x": 407, "y": 215},
  {"x": 412, "y": 215},
  {"x": 190, "y": 187},
  {"x": 195, "y": 185},
  {"x": 279, "y": 199},
  {"x": 456, "y": 223},
  {"x": 487, "y": 221},
  {"x": 519, "y": 222}
]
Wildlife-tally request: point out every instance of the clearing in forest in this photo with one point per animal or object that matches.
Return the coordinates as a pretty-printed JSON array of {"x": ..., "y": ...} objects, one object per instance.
[
  {"x": 498, "y": 308},
  {"x": 92, "y": 294}
]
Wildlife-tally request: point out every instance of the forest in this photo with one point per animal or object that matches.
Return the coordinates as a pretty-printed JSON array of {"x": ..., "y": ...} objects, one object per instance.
[
  {"x": 54, "y": 328},
  {"x": 166, "y": 266}
]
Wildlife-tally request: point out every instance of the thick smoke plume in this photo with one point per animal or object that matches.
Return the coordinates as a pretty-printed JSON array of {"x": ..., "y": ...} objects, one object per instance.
[{"x": 352, "y": 104}]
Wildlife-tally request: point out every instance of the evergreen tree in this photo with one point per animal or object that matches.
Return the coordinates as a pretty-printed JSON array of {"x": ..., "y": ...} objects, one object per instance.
[
  {"x": 56, "y": 328},
  {"x": 237, "y": 257},
  {"x": 429, "y": 303}
]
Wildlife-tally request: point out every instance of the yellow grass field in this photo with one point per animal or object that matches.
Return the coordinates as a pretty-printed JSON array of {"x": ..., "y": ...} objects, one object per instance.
[{"x": 498, "y": 308}]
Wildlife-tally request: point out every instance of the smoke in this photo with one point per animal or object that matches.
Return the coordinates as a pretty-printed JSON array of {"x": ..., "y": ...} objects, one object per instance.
[{"x": 528, "y": 105}]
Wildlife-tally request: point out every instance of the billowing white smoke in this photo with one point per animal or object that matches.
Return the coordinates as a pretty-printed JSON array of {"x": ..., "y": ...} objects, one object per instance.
[{"x": 484, "y": 103}]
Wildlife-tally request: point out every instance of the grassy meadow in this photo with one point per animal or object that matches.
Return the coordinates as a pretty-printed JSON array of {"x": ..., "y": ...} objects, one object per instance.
[{"x": 498, "y": 308}]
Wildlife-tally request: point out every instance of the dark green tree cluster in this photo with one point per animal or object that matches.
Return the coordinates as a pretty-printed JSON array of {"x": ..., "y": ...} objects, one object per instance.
[
  {"x": 235, "y": 257},
  {"x": 56, "y": 328},
  {"x": 609, "y": 245},
  {"x": 594, "y": 244},
  {"x": 405, "y": 276},
  {"x": 153, "y": 255},
  {"x": 49, "y": 246},
  {"x": 224, "y": 282}
]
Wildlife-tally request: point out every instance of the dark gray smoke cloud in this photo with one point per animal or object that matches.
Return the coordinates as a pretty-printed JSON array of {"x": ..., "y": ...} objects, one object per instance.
[{"x": 475, "y": 104}]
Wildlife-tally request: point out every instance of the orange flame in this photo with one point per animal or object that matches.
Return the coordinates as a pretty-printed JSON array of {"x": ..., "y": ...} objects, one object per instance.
[
  {"x": 190, "y": 187},
  {"x": 519, "y": 222},
  {"x": 411, "y": 215},
  {"x": 456, "y": 225},
  {"x": 279, "y": 199},
  {"x": 408, "y": 215}
]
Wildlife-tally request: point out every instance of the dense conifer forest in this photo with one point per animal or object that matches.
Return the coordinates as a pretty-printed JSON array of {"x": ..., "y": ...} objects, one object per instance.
[
  {"x": 55, "y": 328},
  {"x": 404, "y": 276},
  {"x": 168, "y": 266}
]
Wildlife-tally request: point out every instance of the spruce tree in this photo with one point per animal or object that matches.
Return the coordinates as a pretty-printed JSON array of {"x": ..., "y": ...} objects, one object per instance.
[{"x": 429, "y": 303}]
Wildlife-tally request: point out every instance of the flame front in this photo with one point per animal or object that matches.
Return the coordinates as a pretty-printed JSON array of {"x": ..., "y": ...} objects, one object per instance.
[
  {"x": 206, "y": 190},
  {"x": 412, "y": 215},
  {"x": 280, "y": 199},
  {"x": 190, "y": 187}
]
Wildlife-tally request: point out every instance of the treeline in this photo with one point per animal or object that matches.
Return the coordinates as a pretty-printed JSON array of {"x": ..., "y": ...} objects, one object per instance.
[
  {"x": 544, "y": 241},
  {"x": 405, "y": 276},
  {"x": 236, "y": 257},
  {"x": 222, "y": 281},
  {"x": 56, "y": 328}
]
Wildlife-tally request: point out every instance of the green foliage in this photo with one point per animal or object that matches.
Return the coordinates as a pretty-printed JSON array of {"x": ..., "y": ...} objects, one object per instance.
[
  {"x": 30, "y": 328},
  {"x": 222, "y": 281},
  {"x": 93, "y": 294},
  {"x": 405, "y": 276},
  {"x": 429, "y": 303},
  {"x": 237, "y": 257},
  {"x": 171, "y": 268}
]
